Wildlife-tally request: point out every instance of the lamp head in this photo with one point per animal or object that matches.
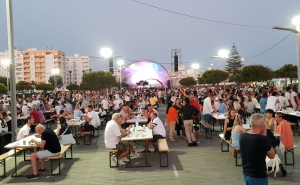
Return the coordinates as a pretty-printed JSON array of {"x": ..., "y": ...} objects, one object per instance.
[
  {"x": 296, "y": 20},
  {"x": 223, "y": 53},
  {"x": 55, "y": 71},
  {"x": 120, "y": 62},
  {"x": 5, "y": 62},
  {"x": 106, "y": 52},
  {"x": 195, "y": 66}
]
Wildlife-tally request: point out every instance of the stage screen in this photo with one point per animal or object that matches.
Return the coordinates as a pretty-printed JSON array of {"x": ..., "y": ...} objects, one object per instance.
[{"x": 147, "y": 71}]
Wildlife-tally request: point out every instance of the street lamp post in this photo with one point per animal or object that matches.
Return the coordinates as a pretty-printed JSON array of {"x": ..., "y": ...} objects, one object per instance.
[
  {"x": 223, "y": 54},
  {"x": 70, "y": 77},
  {"x": 296, "y": 30},
  {"x": 120, "y": 62},
  {"x": 55, "y": 71}
]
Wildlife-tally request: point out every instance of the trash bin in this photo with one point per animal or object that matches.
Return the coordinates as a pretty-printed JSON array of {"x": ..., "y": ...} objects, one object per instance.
[{"x": 5, "y": 138}]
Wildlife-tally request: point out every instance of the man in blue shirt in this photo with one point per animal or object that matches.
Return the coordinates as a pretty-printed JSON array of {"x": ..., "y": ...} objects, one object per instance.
[{"x": 222, "y": 106}]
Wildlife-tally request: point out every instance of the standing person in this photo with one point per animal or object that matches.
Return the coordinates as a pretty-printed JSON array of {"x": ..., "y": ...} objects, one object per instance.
[
  {"x": 272, "y": 101},
  {"x": 207, "y": 108},
  {"x": 188, "y": 111},
  {"x": 294, "y": 98},
  {"x": 50, "y": 145},
  {"x": 179, "y": 126},
  {"x": 263, "y": 102},
  {"x": 172, "y": 120},
  {"x": 254, "y": 148},
  {"x": 288, "y": 96}
]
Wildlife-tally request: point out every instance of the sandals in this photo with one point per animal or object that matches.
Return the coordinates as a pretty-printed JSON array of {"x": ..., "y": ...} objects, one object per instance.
[{"x": 173, "y": 140}]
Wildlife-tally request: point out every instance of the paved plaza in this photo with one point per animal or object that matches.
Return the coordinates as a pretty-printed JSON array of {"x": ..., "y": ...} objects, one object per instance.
[{"x": 204, "y": 165}]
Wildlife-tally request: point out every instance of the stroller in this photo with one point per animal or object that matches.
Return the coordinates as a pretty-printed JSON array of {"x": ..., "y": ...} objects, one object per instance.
[{"x": 274, "y": 165}]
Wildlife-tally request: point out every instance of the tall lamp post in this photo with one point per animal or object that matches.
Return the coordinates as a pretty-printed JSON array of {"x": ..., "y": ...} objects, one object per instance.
[
  {"x": 120, "y": 62},
  {"x": 296, "y": 30},
  {"x": 55, "y": 72},
  {"x": 223, "y": 54},
  {"x": 70, "y": 77}
]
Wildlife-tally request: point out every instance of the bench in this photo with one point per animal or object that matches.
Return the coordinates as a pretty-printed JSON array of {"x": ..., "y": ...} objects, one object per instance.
[
  {"x": 47, "y": 122},
  {"x": 207, "y": 128},
  {"x": 113, "y": 153},
  {"x": 57, "y": 158},
  {"x": 87, "y": 137},
  {"x": 163, "y": 148},
  {"x": 289, "y": 150},
  {"x": 4, "y": 156},
  {"x": 238, "y": 153}
]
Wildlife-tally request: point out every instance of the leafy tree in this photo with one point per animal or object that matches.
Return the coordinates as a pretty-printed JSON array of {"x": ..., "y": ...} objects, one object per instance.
[
  {"x": 73, "y": 87},
  {"x": 188, "y": 81},
  {"x": 58, "y": 80},
  {"x": 3, "y": 80},
  {"x": 215, "y": 76},
  {"x": 201, "y": 80},
  {"x": 234, "y": 62},
  {"x": 287, "y": 71},
  {"x": 44, "y": 87},
  {"x": 124, "y": 84},
  {"x": 97, "y": 80},
  {"x": 254, "y": 73},
  {"x": 3, "y": 89},
  {"x": 22, "y": 85}
]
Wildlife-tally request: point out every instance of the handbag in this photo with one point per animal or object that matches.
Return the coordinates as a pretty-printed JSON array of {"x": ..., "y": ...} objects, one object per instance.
[{"x": 63, "y": 133}]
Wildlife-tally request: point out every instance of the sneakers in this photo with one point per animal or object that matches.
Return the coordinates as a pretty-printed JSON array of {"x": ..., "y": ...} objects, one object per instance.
[
  {"x": 125, "y": 159},
  {"x": 145, "y": 152},
  {"x": 198, "y": 142},
  {"x": 135, "y": 154},
  {"x": 194, "y": 143},
  {"x": 190, "y": 145},
  {"x": 43, "y": 171},
  {"x": 119, "y": 161},
  {"x": 32, "y": 176}
]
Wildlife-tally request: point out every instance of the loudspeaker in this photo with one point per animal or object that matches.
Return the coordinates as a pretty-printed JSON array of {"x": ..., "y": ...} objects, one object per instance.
[
  {"x": 175, "y": 63},
  {"x": 111, "y": 65}
]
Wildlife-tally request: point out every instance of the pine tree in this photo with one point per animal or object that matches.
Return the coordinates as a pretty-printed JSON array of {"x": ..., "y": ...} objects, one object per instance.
[{"x": 234, "y": 62}]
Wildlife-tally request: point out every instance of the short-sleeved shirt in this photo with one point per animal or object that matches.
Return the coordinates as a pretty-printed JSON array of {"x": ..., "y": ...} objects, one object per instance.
[
  {"x": 111, "y": 134},
  {"x": 52, "y": 142},
  {"x": 254, "y": 148},
  {"x": 3, "y": 126},
  {"x": 95, "y": 118},
  {"x": 153, "y": 101},
  {"x": 24, "y": 131},
  {"x": 159, "y": 128},
  {"x": 36, "y": 116}
]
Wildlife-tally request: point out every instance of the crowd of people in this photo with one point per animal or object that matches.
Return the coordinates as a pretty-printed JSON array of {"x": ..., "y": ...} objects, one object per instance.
[{"x": 185, "y": 109}]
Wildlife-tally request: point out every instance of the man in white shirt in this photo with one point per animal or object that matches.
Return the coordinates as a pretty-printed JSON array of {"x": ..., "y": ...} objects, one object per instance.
[
  {"x": 112, "y": 137},
  {"x": 116, "y": 104},
  {"x": 282, "y": 101},
  {"x": 25, "y": 109},
  {"x": 207, "y": 108},
  {"x": 105, "y": 103},
  {"x": 24, "y": 131},
  {"x": 158, "y": 131},
  {"x": 288, "y": 96},
  {"x": 35, "y": 101}
]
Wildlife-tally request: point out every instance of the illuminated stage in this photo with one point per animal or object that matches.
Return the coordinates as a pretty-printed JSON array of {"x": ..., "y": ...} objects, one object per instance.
[{"x": 146, "y": 71}]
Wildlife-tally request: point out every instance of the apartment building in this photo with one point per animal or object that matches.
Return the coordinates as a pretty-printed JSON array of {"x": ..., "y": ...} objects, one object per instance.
[
  {"x": 76, "y": 66},
  {"x": 38, "y": 65},
  {"x": 19, "y": 64}
]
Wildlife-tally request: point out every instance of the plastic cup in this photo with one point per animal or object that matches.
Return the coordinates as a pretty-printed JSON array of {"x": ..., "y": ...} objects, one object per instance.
[
  {"x": 29, "y": 142},
  {"x": 24, "y": 142}
]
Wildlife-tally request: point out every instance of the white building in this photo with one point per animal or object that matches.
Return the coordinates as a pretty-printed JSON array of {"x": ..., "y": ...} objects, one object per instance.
[
  {"x": 19, "y": 64},
  {"x": 76, "y": 66},
  {"x": 175, "y": 77}
]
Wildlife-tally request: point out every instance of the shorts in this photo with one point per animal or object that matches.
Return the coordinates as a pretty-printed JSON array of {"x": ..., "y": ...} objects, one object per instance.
[
  {"x": 156, "y": 137},
  {"x": 88, "y": 127},
  {"x": 42, "y": 154},
  {"x": 196, "y": 124}
]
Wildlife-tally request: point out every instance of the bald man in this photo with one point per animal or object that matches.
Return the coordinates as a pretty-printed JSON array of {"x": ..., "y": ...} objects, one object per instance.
[{"x": 50, "y": 147}]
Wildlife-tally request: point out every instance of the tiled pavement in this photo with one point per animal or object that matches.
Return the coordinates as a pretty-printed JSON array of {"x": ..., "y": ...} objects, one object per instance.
[{"x": 204, "y": 165}]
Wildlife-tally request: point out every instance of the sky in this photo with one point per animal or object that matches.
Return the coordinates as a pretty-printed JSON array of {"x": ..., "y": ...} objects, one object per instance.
[{"x": 136, "y": 31}]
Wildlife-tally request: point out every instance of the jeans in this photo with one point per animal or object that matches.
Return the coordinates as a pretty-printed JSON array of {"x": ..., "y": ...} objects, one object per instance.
[
  {"x": 207, "y": 118},
  {"x": 255, "y": 181}
]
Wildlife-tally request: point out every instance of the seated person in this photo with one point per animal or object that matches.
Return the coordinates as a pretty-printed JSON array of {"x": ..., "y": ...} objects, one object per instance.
[
  {"x": 237, "y": 129},
  {"x": 271, "y": 122},
  {"x": 64, "y": 113},
  {"x": 92, "y": 121},
  {"x": 24, "y": 131},
  {"x": 50, "y": 145},
  {"x": 150, "y": 110},
  {"x": 41, "y": 114},
  {"x": 126, "y": 115},
  {"x": 285, "y": 130},
  {"x": 112, "y": 136},
  {"x": 158, "y": 131},
  {"x": 3, "y": 126},
  {"x": 77, "y": 111},
  {"x": 63, "y": 132}
]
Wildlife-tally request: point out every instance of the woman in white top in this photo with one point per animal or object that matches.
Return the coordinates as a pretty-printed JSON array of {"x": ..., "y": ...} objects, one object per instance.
[{"x": 294, "y": 99}]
